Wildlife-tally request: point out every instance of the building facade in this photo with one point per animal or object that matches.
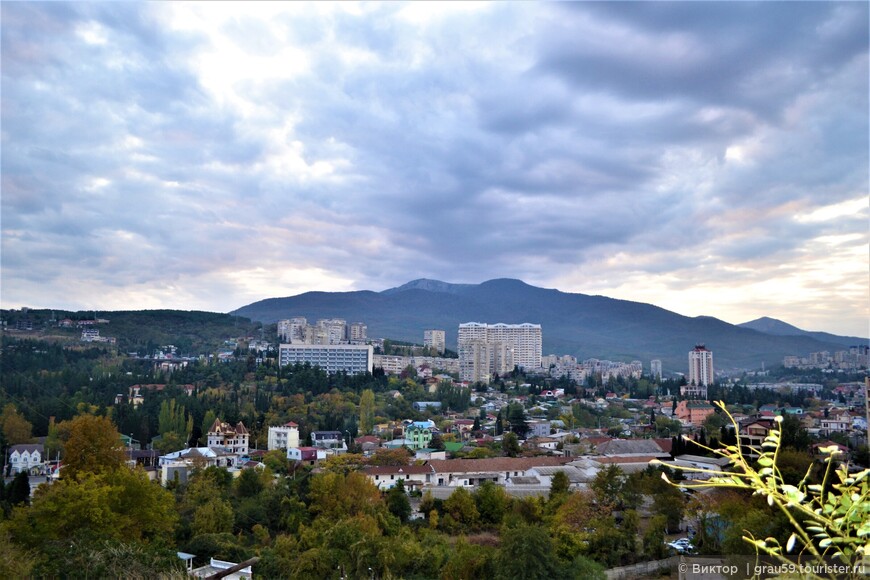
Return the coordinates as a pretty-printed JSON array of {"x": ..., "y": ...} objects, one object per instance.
[
  {"x": 358, "y": 332},
  {"x": 283, "y": 437},
  {"x": 333, "y": 358},
  {"x": 234, "y": 439},
  {"x": 655, "y": 369},
  {"x": 26, "y": 457},
  {"x": 436, "y": 339},
  {"x": 700, "y": 372},
  {"x": 485, "y": 349}
]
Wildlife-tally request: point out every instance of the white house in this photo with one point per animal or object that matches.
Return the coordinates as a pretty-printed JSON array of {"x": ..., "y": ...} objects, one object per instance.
[
  {"x": 283, "y": 437},
  {"x": 841, "y": 423},
  {"x": 26, "y": 457}
]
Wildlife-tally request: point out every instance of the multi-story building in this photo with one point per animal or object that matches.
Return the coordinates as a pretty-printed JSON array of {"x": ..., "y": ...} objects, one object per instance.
[
  {"x": 358, "y": 332},
  {"x": 655, "y": 369},
  {"x": 333, "y": 358},
  {"x": 284, "y": 436},
  {"x": 335, "y": 330},
  {"x": 328, "y": 440},
  {"x": 234, "y": 439},
  {"x": 693, "y": 412},
  {"x": 292, "y": 329},
  {"x": 435, "y": 339},
  {"x": 485, "y": 349},
  {"x": 700, "y": 372}
]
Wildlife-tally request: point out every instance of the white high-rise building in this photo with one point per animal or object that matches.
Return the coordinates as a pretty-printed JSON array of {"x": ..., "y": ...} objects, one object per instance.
[
  {"x": 436, "y": 339},
  {"x": 292, "y": 329},
  {"x": 655, "y": 369},
  {"x": 700, "y": 372},
  {"x": 335, "y": 330},
  {"x": 485, "y": 349}
]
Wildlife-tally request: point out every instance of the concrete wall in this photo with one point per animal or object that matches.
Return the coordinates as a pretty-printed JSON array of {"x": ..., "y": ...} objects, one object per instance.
[{"x": 642, "y": 569}]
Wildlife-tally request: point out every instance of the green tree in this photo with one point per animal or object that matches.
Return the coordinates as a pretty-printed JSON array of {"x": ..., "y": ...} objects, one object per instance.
[
  {"x": 831, "y": 519},
  {"x": 510, "y": 444},
  {"x": 171, "y": 418},
  {"x": 461, "y": 510},
  {"x": 527, "y": 552},
  {"x": 654, "y": 538},
  {"x": 122, "y": 505},
  {"x": 52, "y": 445},
  {"x": 18, "y": 491},
  {"x": 559, "y": 485},
  {"x": 213, "y": 517},
  {"x": 366, "y": 412},
  {"x": 92, "y": 445},
  {"x": 15, "y": 428},
  {"x": 398, "y": 503},
  {"x": 492, "y": 503},
  {"x": 207, "y": 422}
]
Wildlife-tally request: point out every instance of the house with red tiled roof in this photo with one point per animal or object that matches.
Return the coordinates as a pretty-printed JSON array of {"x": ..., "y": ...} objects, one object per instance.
[
  {"x": 473, "y": 472},
  {"x": 412, "y": 476}
]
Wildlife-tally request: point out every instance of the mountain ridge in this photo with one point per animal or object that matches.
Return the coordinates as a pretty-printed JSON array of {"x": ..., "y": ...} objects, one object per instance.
[{"x": 586, "y": 326}]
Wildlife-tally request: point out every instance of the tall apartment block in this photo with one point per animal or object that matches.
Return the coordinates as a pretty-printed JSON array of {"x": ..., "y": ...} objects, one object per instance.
[
  {"x": 700, "y": 372},
  {"x": 485, "y": 349},
  {"x": 655, "y": 369},
  {"x": 358, "y": 332},
  {"x": 292, "y": 329},
  {"x": 435, "y": 339}
]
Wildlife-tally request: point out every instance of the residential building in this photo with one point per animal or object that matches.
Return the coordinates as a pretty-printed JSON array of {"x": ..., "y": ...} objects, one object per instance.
[
  {"x": 538, "y": 429},
  {"x": 419, "y": 435},
  {"x": 26, "y": 457},
  {"x": 487, "y": 349},
  {"x": 328, "y": 440},
  {"x": 334, "y": 329},
  {"x": 283, "y": 437},
  {"x": 655, "y": 369},
  {"x": 473, "y": 472},
  {"x": 753, "y": 432},
  {"x": 358, "y": 333},
  {"x": 839, "y": 423},
  {"x": 333, "y": 358},
  {"x": 234, "y": 439},
  {"x": 435, "y": 339},
  {"x": 292, "y": 329},
  {"x": 308, "y": 455},
  {"x": 693, "y": 412},
  {"x": 412, "y": 476},
  {"x": 700, "y": 372}
]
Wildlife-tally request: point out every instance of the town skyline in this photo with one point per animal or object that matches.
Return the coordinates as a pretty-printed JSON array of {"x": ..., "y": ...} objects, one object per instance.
[{"x": 710, "y": 159}]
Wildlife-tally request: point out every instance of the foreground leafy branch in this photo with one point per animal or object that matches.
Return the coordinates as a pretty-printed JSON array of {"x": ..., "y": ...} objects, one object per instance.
[{"x": 830, "y": 521}]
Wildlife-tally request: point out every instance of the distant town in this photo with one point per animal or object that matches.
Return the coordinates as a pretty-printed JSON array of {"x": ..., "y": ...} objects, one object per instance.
[{"x": 322, "y": 397}]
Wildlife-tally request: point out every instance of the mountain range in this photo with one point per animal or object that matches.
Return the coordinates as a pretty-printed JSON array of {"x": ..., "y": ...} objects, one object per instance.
[{"x": 577, "y": 324}]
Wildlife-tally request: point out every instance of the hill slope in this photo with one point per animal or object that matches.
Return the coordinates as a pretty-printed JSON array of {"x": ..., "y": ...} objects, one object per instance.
[
  {"x": 578, "y": 324},
  {"x": 776, "y": 327}
]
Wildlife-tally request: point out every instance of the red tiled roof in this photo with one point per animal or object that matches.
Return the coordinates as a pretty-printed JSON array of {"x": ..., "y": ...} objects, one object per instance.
[
  {"x": 644, "y": 459},
  {"x": 398, "y": 469},
  {"x": 495, "y": 464}
]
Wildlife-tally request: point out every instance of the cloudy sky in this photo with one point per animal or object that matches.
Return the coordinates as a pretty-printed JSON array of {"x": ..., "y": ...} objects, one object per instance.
[{"x": 707, "y": 158}]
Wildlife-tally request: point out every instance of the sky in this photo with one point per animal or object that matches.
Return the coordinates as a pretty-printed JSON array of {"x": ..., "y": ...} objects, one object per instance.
[{"x": 708, "y": 158}]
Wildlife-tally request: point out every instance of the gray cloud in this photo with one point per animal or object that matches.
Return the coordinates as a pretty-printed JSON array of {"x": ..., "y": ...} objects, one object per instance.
[{"x": 559, "y": 142}]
